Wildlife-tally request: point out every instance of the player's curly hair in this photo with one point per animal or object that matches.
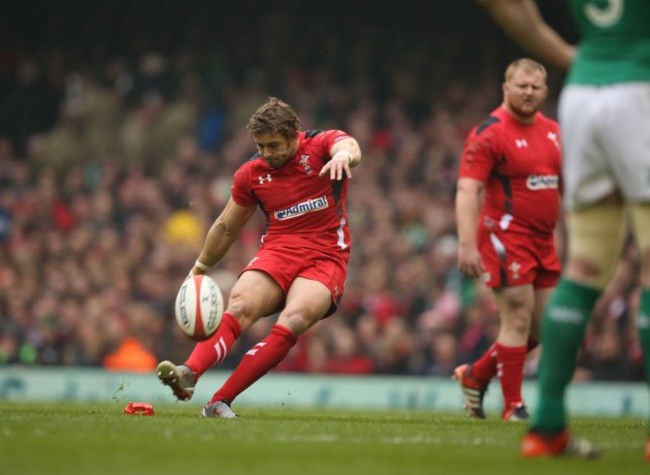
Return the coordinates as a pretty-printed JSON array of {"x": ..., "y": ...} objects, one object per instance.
[{"x": 274, "y": 117}]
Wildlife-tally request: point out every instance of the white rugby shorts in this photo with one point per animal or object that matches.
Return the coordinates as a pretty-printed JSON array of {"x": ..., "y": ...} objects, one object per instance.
[{"x": 606, "y": 142}]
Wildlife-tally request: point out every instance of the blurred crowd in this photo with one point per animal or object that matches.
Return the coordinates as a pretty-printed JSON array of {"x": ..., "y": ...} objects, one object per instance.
[{"x": 116, "y": 156}]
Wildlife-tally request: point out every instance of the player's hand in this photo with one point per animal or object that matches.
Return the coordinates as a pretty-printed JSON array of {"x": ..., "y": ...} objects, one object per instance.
[
  {"x": 469, "y": 261},
  {"x": 337, "y": 166}
]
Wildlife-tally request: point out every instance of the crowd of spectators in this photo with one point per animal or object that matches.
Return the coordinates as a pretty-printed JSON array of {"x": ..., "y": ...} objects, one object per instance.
[{"x": 115, "y": 157}]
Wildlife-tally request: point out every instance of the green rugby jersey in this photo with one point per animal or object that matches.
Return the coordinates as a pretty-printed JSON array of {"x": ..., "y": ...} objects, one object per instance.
[{"x": 615, "y": 41}]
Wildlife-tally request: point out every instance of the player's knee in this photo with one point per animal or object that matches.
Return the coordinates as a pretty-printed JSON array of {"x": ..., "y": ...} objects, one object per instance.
[
  {"x": 242, "y": 311},
  {"x": 298, "y": 320},
  {"x": 596, "y": 238},
  {"x": 295, "y": 321},
  {"x": 518, "y": 321},
  {"x": 517, "y": 313}
]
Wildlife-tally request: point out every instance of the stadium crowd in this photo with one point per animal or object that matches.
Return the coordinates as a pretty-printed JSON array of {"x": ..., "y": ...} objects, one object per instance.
[{"x": 115, "y": 157}]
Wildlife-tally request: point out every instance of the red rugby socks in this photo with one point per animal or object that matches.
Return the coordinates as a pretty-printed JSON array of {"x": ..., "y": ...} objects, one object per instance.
[
  {"x": 214, "y": 350},
  {"x": 258, "y": 361},
  {"x": 485, "y": 368},
  {"x": 510, "y": 363}
]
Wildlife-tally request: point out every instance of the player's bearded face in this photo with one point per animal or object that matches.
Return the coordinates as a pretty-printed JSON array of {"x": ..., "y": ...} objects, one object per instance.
[
  {"x": 275, "y": 149},
  {"x": 525, "y": 92}
]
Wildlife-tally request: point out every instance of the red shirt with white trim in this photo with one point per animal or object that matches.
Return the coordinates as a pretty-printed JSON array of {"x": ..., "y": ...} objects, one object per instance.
[
  {"x": 302, "y": 209},
  {"x": 520, "y": 166}
]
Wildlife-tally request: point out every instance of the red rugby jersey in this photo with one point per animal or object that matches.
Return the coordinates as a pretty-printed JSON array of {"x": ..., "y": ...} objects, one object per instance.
[
  {"x": 520, "y": 166},
  {"x": 302, "y": 209}
]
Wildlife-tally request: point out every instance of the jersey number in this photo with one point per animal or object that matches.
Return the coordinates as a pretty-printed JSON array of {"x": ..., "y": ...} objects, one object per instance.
[{"x": 607, "y": 16}]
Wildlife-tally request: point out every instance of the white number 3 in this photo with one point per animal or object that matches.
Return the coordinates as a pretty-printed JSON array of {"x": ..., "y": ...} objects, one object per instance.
[{"x": 607, "y": 16}]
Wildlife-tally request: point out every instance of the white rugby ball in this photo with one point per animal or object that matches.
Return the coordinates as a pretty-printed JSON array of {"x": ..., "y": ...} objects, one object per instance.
[{"x": 199, "y": 307}]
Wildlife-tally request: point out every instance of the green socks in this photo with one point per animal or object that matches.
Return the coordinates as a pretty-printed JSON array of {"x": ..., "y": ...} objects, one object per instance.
[{"x": 563, "y": 329}]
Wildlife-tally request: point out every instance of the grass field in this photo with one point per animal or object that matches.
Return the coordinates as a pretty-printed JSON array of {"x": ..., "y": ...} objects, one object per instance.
[{"x": 70, "y": 439}]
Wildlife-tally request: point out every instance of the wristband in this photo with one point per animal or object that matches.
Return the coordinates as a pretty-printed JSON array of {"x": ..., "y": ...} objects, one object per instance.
[
  {"x": 200, "y": 265},
  {"x": 347, "y": 152}
]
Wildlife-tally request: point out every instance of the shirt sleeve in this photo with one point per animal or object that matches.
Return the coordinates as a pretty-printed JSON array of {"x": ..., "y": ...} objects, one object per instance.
[
  {"x": 241, "y": 191},
  {"x": 328, "y": 139},
  {"x": 480, "y": 155}
]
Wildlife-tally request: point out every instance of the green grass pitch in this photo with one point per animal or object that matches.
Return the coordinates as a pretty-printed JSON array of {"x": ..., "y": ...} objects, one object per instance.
[{"x": 70, "y": 439}]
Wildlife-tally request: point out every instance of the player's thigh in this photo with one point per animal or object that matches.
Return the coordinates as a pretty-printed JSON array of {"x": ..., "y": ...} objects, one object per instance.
[
  {"x": 307, "y": 302},
  {"x": 596, "y": 236},
  {"x": 254, "y": 295},
  {"x": 331, "y": 271}
]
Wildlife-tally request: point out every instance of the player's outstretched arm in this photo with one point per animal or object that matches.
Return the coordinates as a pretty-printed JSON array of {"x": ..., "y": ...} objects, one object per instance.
[
  {"x": 222, "y": 234},
  {"x": 522, "y": 21}
]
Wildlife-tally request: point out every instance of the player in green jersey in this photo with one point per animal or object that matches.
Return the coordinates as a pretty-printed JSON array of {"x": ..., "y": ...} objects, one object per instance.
[{"x": 604, "y": 115}]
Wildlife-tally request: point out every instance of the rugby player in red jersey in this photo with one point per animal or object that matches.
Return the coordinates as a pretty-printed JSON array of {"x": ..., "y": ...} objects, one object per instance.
[
  {"x": 512, "y": 162},
  {"x": 299, "y": 179}
]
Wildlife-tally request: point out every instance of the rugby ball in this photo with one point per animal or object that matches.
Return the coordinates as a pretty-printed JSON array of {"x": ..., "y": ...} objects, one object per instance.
[{"x": 199, "y": 307}]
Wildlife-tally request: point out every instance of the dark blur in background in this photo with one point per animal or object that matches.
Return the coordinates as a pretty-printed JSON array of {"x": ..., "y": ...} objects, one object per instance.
[{"x": 121, "y": 124}]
